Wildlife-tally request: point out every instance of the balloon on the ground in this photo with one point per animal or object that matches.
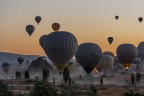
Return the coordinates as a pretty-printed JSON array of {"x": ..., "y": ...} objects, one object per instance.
[
  {"x": 61, "y": 46},
  {"x": 88, "y": 55},
  {"x": 20, "y": 60},
  {"x": 141, "y": 50},
  {"x": 38, "y": 19},
  {"x": 30, "y": 29},
  {"x": 55, "y": 26},
  {"x": 126, "y": 54},
  {"x": 106, "y": 62},
  {"x": 108, "y": 53},
  {"x": 5, "y": 67}
]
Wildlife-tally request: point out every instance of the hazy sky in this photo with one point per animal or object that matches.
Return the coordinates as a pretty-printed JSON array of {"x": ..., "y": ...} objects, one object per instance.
[{"x": 89, "y": 20}]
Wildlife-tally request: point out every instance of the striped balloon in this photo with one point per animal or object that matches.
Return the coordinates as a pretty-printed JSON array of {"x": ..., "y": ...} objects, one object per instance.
[
  {"x": 106, "y": 62},
  {"x": 126, "y": 54},
  {"x": 88, "y": 55},
  {"x": 61, "y": 46}
]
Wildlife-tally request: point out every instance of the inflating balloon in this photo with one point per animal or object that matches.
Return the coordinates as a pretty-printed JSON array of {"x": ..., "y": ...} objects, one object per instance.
[
  {"x": 110, "y": 40},
  {"x": 20, "y": 60},
  {"x": 5, "y": 67},
  {"x": 61, "y": 46},
  {"x": 88, "y": 55},
  {"x": 38, "y": 19},
  {"x": 140, "y": 19},
  {"x": 30, "y": 29},
  {"x": 126, "y": 54},
  {"x": 55, "y": 26}
]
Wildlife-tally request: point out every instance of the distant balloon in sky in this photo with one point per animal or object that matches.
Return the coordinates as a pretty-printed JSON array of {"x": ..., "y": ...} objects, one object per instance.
[
  {"x": 20, "y": 60},
  {"x": 106, "y": 62},
  {"x": 140, "y": 19},
  {"x": 126, "y": 54},
  {"x": 30, "y": 29},
  {"x": 141, "y": 50},
  {"x": 38, "y": 19},
  {"x": 5, "y": 67},
  {"x": 108, "y": 53},
  {"x": 116, "y": 17},
  {"x": 110, "y": 40},
  {"x": 88, "y": 55},
  {"x": 61, "y": 46},
  {"x": 55, "y": 26}
]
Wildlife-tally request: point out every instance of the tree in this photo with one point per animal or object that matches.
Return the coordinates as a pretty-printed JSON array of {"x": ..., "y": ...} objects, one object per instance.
[
  {"x": 4, "y": 90},
  {"x": 101, "y": 80},
  {"x": 27, "y": 76},
  {"x": 45, "y": 74},
  {"x": 132, "y": 79},
  {"x": 43, "y": 88},
  {"x": 138, "y": 77},
  {"x": 66, "y": 74}
]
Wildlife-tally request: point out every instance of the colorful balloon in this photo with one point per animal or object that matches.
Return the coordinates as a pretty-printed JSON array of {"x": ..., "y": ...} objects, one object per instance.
[{"x": 55, "y": 26}]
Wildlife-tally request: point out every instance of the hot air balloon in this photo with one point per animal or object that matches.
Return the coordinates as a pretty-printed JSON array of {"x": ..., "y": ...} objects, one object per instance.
[
  {"x": 55, "y": 26},
  {"x": 20, "y": 60},
  {"x": 106, "y": 63},
  {"x": 140, "y": 19},
  {"x": 141, "y": 50},
  {"x": 110, "y": 40},
  {"x": 116, "y": 17},
  {"x": 71, "y": 65},
  {"x": 30, "y": 29},
  {"x": 126, "y": 54},
  {"x": 42, "y": 41},
  {"x": 88, "y": 55},
  {"x": 5, "y": 67},
  {"x": 108, "y": 53},
  {"x": 61, "y": 47},
  {"x": 38, "y": 19}
]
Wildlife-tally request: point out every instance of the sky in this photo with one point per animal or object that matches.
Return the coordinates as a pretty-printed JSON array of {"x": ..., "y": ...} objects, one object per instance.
[{"x": 89, "y": 20}]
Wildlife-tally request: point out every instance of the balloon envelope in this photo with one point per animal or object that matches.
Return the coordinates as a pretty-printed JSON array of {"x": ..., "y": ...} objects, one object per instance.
[
  {"x": 55, "y": 26},
  {"x": 106, "y": 62},
  {"x": 30, "y": 29},
  {"x": 20, "y": 60},
  {"x": 61, "y": 46},
  {"x": 88, "y": 55},
  {"x": 108, "y": 53},
  {"x": 116, "y": 17},
  {"x": 42, "y": 41},
  {"x": 140, "y": 19},
  {"x": 126, "y": 54},
  {"x": 110, "y": 40},
  {"x": 38, "y": 19},
  {"x": 5, "y": 67},
  {"x": 141, "y": 50}
]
